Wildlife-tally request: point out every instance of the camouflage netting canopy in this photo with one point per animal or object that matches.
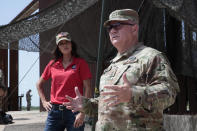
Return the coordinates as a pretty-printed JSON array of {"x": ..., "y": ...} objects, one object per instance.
[
  {"x": 64, "y": 10},
  {"x": 181, "y": 46},
  {"x": 30, "y": 27},
  {"x": 181, "y": 9}
]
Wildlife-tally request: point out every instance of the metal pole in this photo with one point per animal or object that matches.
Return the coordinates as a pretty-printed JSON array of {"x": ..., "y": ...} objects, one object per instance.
[{"x": 100, "y": 58}]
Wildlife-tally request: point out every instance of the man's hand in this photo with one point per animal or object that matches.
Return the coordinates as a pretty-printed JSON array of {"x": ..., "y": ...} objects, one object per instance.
[
  {"x": 47, "y": 105},
  {"x": 74, "y": 104},
  {"x": 120, "y": 93},
  {"x": 79, "y": 120}
]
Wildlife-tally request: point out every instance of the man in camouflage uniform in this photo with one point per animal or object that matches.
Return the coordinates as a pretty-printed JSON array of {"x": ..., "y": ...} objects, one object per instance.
[
  {"x": 3, "y": 93},
  {"x": 137, "y": 86},
  {"x": 3, "y": 90},
  {"x": 28, "y": 98}
]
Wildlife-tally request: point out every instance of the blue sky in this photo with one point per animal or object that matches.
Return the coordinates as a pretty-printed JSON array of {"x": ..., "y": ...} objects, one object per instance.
[{"x": 9, "y": 9}]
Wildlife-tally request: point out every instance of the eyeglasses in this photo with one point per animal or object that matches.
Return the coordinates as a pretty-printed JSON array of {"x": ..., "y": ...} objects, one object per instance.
[{"x": 117, "y": 26}]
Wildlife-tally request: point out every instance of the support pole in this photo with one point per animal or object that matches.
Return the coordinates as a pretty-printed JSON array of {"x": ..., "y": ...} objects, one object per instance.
[{"x": 100, "y": 58}]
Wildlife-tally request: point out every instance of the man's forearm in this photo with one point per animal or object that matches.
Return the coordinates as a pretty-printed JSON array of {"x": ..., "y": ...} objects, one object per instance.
[{"x": 90, "y": 106}]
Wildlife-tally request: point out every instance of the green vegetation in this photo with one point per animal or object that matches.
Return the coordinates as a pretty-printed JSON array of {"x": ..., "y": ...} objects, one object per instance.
[{"x": 32, "y": 108}]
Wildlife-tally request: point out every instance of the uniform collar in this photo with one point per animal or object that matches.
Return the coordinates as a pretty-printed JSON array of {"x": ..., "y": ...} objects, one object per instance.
[{"x": 127, "y": 53}]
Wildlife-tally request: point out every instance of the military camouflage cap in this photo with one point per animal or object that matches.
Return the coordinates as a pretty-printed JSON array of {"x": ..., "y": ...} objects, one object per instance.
[
  {"x": 63, "y": 36},
  {"x": 123, "y": 15}
]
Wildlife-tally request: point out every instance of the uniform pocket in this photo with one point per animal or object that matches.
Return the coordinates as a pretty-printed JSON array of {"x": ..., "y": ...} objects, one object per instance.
[{"x": 119, "y": 73}]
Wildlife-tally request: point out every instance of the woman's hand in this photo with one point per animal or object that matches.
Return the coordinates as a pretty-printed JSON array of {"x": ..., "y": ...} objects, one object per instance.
[
  {"x": 79, "y": 120},
  {"x": 47, "y": 105}
]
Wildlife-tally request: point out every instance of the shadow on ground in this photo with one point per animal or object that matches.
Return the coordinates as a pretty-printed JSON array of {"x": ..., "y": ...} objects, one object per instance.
[{"x": 25, "y": 127}]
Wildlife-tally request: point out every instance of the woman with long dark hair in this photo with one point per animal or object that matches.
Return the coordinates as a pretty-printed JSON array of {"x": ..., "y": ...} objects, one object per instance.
[{"x": 67, "y": 71}]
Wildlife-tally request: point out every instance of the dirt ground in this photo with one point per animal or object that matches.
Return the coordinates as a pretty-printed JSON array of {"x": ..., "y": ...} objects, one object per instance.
[{"x": 28, "y": 121}]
